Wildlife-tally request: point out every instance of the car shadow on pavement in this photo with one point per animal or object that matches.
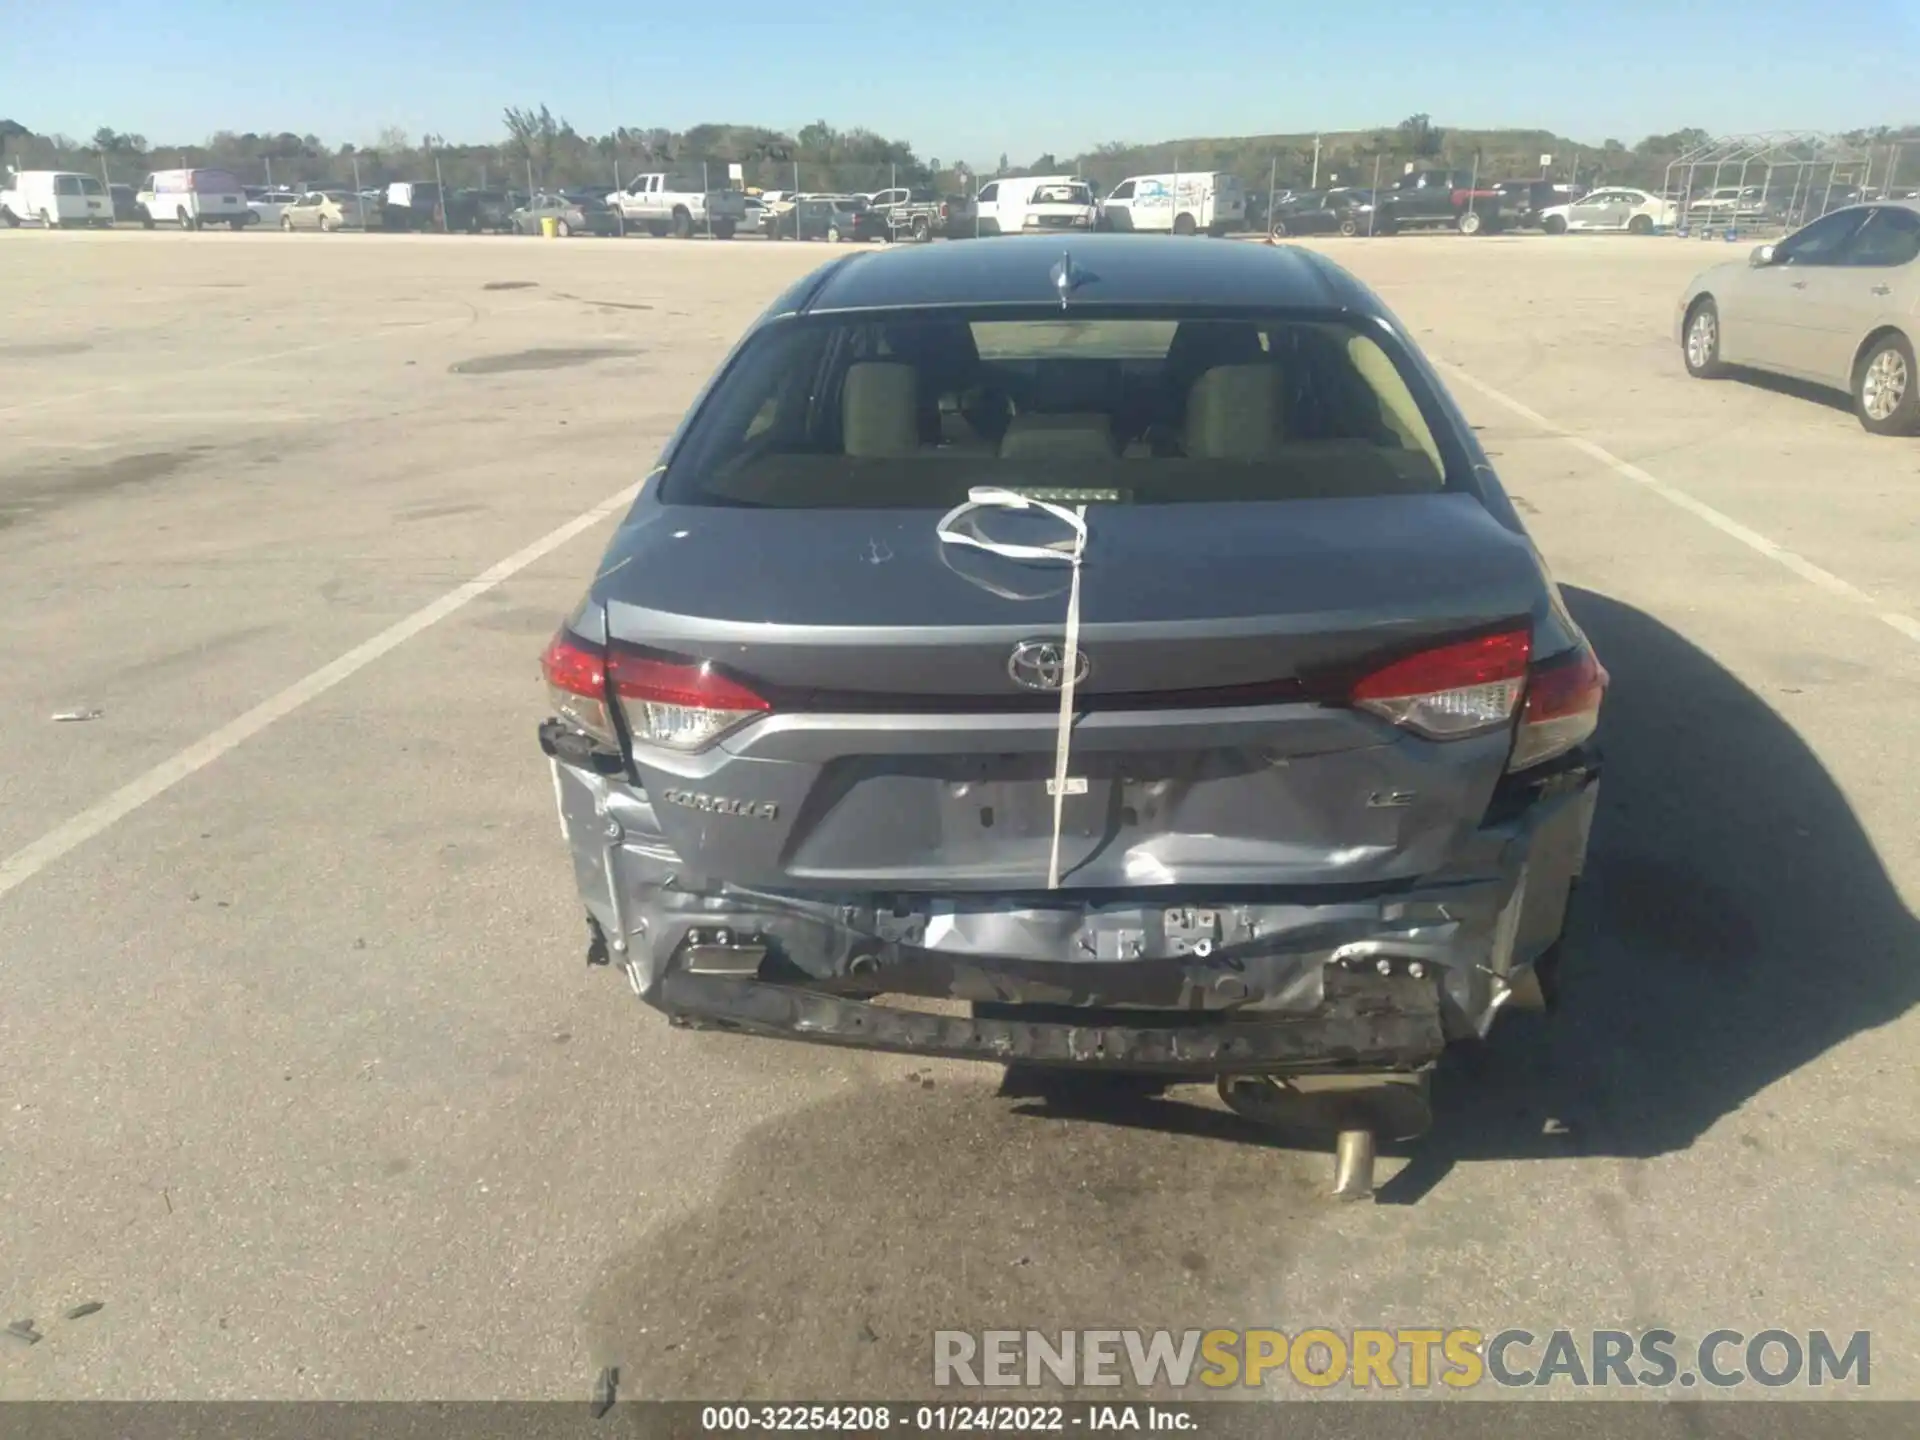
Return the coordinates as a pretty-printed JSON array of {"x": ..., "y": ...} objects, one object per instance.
[
  {"x": 1793, "y": 389},
  {"x": 1734, "y": 924},
  {"x": 846, "y": 1231}
]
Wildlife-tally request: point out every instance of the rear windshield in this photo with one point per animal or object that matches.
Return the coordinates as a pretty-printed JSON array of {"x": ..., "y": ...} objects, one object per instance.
[
  {"x": 913, "y": 410},
  {"x": 215, "y": 182},
  {"x": 1062, "y": 195}
]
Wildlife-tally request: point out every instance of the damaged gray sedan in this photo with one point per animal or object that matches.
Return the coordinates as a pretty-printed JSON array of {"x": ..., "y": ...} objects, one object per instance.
[{"x": 1131, "y": 648}]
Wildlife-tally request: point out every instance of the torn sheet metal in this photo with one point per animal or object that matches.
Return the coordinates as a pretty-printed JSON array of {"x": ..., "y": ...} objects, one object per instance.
[{"x": 1465, "y": 935}]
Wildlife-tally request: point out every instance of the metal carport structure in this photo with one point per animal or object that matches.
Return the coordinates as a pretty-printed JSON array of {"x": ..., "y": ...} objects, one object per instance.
[{"x": 1769, "y": 181}]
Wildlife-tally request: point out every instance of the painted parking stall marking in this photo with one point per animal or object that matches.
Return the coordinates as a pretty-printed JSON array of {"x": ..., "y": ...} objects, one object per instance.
[{"x": 1725, "y": 524}]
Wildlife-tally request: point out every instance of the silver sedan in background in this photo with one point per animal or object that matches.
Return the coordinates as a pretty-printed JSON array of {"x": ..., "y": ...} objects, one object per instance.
[{"x": 1836, "y": 303}]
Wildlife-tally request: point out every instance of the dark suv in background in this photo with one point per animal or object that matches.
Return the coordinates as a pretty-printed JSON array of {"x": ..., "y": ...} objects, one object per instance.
[
  {"x": 487, "y": 209},
  {"x": 415, "y": 206},
  {"x": 1523, "y": 200}
]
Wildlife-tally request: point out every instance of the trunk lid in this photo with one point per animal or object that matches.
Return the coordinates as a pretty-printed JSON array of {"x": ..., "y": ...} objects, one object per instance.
[{"x": 904, "y": 751}]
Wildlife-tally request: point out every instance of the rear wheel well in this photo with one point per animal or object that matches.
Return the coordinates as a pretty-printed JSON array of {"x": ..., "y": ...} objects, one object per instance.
[{"x": 1867, "y": 346}]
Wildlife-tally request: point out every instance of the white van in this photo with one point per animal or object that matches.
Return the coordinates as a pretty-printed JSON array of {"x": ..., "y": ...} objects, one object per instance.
[
  {"x": 55, "y": 198},
  {"x": 1035, "y": 203},
  {"x": 193, "y": 199},
  {"x": 1184, "y": 203}
]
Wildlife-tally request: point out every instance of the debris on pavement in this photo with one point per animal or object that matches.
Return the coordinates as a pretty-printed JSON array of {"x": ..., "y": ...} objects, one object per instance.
[
  {"x": 86, "y": 1308},
  {"x": 23, "y": 1332},
  {"x": 69, "y": 717},
  {"x": 604, "y": 1389}
]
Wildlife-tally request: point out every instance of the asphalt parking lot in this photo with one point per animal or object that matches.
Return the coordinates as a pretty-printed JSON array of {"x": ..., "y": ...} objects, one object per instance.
[{"x": 304, "y": 1075}]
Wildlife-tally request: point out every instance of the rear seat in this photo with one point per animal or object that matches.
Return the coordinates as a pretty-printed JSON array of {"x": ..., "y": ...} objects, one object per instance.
[{"x": 1084, "y": 436}]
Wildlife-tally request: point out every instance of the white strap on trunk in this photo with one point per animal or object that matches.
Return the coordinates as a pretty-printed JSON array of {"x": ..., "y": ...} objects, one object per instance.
[{"x": 1070, "y": 551}]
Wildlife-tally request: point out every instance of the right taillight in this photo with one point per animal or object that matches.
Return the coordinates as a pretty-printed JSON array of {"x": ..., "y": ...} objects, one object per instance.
[
  {"x": 1562, "y": 707},
  {"x": 1466, "y": 687}
]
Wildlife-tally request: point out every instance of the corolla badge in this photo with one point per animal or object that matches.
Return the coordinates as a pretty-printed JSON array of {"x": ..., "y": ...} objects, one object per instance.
[
  {"x": 721, "y": 804},
  {"x": 1042, "y": 665}
]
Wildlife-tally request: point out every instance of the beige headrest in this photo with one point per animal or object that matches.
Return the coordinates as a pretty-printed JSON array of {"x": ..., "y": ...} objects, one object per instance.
[
  {"x": 879, "y": 414},
  {"x": 1235, "y": 412}
]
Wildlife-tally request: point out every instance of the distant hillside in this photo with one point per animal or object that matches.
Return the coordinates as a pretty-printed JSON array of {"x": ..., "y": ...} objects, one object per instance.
[{"x": 1351, "y": 155}]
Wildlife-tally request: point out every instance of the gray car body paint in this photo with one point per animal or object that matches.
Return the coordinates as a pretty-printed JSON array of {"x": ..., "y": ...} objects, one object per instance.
[{"x": 1225, "y": 861}]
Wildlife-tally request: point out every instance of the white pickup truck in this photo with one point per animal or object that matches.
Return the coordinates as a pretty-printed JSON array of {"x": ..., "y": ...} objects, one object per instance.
[{"x": 663, "y": 205}]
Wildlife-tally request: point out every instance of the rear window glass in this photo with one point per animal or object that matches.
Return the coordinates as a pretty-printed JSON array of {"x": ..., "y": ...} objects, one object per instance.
[
  {"x": 66, "y": 185},
  {"x": 209, "y": 182},
  {"x": 913, "y": 410},
  {"x": 1062, "y": 195}
]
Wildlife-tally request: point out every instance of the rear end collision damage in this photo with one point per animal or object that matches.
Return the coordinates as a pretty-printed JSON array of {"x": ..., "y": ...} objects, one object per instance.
[
  {"x": 1284, "y": 789},
  {"x": 1317, "y": 1005}
]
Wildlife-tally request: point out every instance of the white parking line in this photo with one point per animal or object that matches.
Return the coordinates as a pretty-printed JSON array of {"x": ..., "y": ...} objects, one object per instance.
[
  {"x": 24, "y": 864},
  {"x": 1725, "y": 524}
]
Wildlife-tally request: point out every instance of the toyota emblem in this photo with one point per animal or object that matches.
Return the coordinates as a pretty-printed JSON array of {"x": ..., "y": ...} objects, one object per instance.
[{"x": 1042, "y": 665}]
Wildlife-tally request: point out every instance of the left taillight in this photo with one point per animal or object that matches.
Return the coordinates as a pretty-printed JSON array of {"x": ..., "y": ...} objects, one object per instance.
[
  {"x": 679, "y": 704},
  {"x": 1467, "y": 687},
  {"x": 576, "y": 675}
]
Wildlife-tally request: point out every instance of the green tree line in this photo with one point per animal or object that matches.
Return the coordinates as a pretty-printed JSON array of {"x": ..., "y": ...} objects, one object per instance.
[{"x": 533, "y": 143}]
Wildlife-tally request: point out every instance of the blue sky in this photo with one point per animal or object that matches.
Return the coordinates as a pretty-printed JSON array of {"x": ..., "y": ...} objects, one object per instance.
[{"x": 962, "y": 81}]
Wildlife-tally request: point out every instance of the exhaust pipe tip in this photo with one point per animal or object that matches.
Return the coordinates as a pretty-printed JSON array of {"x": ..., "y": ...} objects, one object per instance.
[
  {"x": 1357, "y": 1109},
  {"x": 1353, "y": 1156}
]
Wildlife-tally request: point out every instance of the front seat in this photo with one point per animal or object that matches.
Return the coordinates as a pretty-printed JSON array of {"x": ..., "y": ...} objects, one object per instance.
[
  {"x": 1197, "y": 346},
  {"x": 956, "y": 413},
  {"x": 880, "y": 410},
  {"x": 1236, "y": 412}
]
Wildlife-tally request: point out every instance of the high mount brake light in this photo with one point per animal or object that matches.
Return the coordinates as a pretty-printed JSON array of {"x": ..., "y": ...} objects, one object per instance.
[
  {"x": 1562, "y": 707},
  {"x": 679, "y": 704},
  {"x": 1464, "y": 688}
]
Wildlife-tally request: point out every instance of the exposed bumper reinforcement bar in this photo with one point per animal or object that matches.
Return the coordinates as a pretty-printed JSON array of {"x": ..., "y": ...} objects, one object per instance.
[{"x": 1361, "y": 1031}]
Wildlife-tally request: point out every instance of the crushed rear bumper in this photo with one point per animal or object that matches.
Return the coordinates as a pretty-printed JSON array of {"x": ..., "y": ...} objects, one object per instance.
[
  {"x": 1364, "y": 1028},
  {"x": 1294, "y": 981}
]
